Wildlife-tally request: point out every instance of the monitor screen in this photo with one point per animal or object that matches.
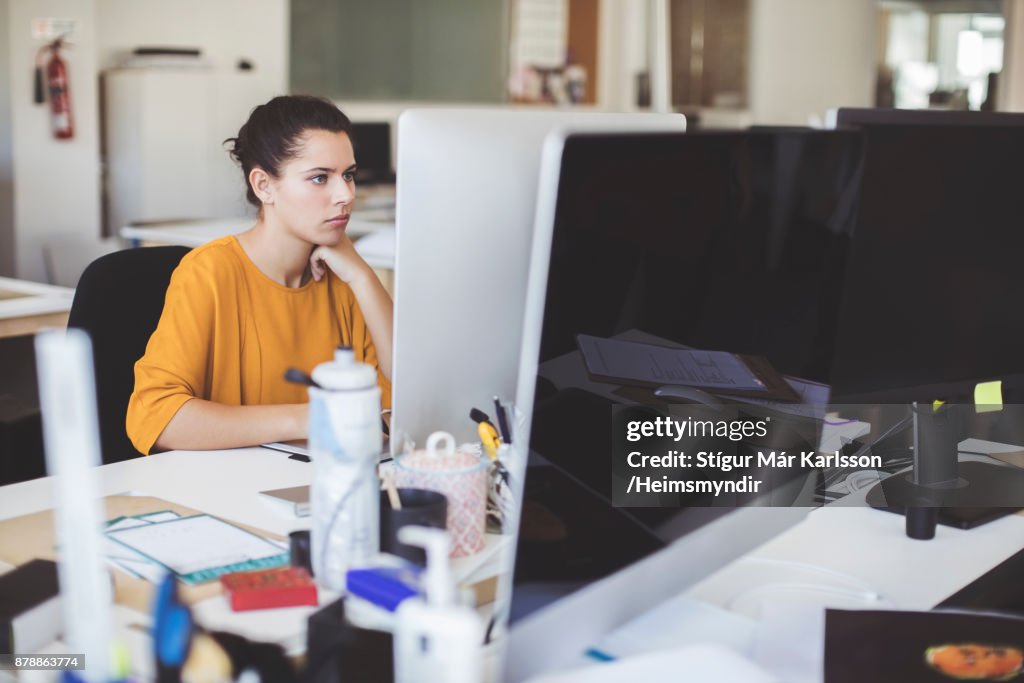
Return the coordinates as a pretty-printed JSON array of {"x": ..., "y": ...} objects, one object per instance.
[
  {"x": 720, "y": 241},
  {"x": 372, "y": 144},
  {"x": 934, "y": 274},
  {"x": 855, "y": 117}
]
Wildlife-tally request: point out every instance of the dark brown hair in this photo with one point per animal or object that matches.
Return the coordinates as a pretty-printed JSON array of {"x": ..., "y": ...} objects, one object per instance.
[{"x": 272, "y": 134}]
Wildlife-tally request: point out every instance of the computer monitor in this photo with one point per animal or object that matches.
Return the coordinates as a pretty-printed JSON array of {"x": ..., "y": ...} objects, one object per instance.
[
  {"x": 724, "y": 241},
  {"x": 929, "y": 302},
  {"x": 934, "y": 266},
  {"x": 466, "y": 194},
  {"x": 372, "y": 143},
  {"x": 856, "y": 117}
]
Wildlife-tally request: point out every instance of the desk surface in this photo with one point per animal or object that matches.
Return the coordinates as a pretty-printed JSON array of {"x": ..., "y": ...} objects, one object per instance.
[
  {"x": 870, "y": 547},
  {"x": 26, "y": 307},
  {"x": 224, "y": 484},
  {"x": 862, "y": 544},
  {"x": 367, "y": 223},
  {"x": 221, "y": 483}
]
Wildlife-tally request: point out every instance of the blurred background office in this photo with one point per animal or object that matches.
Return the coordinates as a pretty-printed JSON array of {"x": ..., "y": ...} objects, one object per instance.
[
  {"x": 148, "y": 126},
  {"x": 727, "y": 63}
]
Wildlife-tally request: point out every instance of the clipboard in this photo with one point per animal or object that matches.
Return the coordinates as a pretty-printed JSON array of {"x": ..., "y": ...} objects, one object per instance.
[{"x": 30, "y": 536}]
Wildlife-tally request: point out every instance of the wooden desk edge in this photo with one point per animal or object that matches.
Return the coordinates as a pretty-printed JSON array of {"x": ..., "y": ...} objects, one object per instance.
[{"x": 30, "y": 324}]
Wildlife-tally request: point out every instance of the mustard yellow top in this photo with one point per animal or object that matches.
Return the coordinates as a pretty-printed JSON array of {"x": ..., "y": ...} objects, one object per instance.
[{"x": 228, "y": 333}]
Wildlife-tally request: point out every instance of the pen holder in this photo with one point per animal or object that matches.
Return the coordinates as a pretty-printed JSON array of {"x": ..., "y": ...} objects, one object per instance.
[
  {"x": 461, "y": 477},
  {"x": 420, "y": 507}
]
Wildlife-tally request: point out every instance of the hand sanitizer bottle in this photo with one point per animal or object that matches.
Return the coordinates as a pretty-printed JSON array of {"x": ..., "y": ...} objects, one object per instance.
[
  {"x": 345, "y": 442},
  {"x": 436, "y": 639}
]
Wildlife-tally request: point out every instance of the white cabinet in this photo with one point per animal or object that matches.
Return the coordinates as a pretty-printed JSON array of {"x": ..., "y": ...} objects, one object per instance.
[{"x": 163, "y": 135}]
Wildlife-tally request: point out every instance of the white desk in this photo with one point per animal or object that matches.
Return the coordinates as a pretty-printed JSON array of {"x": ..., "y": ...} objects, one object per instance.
[
  {"x": 26, "y": 307},
  {"x": 194, "y": 233},
  {"x": 871, "y": 546},
  {"x": 222, "y": 483},
  {"x": 844, "y": 556},
  {"x": 865, "y": 545},
  {"x": 225, "y": 484}
]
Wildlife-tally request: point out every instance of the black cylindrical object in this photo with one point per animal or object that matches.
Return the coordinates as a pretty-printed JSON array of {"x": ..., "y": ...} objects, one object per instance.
[
  {"x": 38, "y": 89},
  {"x": 921, "y": 522},
  {"x": 339, "y": 652},
  {"x": 419, "y": 507},
  {"x": 298, "y": 546},
  {"x": 937, "y": 433}
]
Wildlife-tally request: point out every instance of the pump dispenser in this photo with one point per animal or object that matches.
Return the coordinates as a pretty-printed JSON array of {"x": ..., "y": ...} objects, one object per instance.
[{"x": 437, "y": 640}]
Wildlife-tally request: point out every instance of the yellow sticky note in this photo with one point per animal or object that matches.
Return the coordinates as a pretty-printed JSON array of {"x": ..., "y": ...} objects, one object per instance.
[{"x": 988, "y": 397}]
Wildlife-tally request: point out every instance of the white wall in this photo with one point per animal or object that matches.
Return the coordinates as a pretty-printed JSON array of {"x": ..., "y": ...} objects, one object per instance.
[
  {"x": 623, "y": 52},
  {"x": 1011, "y": 81},
  {"x": 225, "y": 30},
  {"x": 6, "y": 159},
  {"x": 808, "y": 56},
  {"x": 56, "y": 182}
]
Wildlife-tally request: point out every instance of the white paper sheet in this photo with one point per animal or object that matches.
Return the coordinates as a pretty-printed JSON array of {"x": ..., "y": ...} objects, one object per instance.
[{"x": 200, "y": 548}]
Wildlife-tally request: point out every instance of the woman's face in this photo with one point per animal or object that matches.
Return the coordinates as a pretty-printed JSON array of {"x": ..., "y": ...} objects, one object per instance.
[{"x": 314, "y": 190}]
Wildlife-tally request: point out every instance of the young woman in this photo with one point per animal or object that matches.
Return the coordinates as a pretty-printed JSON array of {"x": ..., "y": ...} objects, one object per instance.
[{"x": 243, "y": 309}]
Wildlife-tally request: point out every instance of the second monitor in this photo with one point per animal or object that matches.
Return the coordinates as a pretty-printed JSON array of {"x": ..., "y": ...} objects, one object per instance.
[{"x": 732, "y": 242}]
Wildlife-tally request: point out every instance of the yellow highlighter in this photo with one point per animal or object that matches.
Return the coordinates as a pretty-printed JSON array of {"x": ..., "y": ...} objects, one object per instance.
[
  {"x": 489, "y": 438},
  {"x": 487, "y": 432}
]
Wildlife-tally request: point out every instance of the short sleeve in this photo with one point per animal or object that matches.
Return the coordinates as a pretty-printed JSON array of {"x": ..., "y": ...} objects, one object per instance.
[{"x": 174, "y": 368}]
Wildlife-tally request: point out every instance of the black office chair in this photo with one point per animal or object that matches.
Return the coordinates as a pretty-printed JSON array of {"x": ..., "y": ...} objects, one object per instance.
[{"x": 118, "y": 302}]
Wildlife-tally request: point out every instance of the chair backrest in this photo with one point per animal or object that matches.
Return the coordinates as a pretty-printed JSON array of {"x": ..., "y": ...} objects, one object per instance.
[
  {"x": 65, "y": 257},
  {"x": 118, "y": 302}
]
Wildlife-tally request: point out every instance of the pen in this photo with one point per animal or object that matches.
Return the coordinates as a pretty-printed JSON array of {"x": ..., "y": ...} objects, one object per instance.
[{"x": 499, "y": 410}]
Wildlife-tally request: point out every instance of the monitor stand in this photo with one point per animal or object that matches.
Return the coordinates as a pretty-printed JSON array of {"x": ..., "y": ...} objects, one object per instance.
[
  {"x": 968, "y": 494},
  {"x": 1000, "y": 487}
]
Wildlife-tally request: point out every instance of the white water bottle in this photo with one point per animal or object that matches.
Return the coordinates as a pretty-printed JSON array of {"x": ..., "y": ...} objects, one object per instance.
[{"x": 345, "y": 443}]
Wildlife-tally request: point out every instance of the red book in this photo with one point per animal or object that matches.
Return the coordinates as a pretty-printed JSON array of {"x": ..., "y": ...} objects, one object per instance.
[{"x": 281, "y": 587}]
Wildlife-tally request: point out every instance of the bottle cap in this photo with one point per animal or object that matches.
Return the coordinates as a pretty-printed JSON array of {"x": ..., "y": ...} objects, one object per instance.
[{"x": 344, "y": 373}]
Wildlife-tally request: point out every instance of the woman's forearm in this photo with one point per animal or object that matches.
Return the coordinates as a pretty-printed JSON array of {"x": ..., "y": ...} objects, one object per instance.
[
  {"x": 378, "y": 311},
  {"x": 201, "y": 425}
]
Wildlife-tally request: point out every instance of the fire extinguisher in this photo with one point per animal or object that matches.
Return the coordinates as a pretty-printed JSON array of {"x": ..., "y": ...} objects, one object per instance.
[{"x": 57, "y": 85}]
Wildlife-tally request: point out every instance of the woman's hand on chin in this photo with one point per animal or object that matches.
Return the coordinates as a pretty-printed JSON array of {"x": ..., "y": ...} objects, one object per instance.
[{"x": 342, "y": 258}]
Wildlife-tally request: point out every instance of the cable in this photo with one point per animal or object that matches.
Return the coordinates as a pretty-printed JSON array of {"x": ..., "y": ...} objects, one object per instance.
[
  {"x": 856, "y": 588},
  {"x": 334, "y": 518},
  {"x": 834, "y": 476},
  {"x": 902, "y": 424}
]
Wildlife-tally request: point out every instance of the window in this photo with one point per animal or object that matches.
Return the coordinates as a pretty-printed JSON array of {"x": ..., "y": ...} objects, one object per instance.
[{"x": 942, "y": 59}]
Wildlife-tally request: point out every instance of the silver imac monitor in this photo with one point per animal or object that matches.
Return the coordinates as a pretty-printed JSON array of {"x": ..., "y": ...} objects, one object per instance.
[
  {"x": 466, "y": 197},
  {"x": 726, "y": 241}
]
